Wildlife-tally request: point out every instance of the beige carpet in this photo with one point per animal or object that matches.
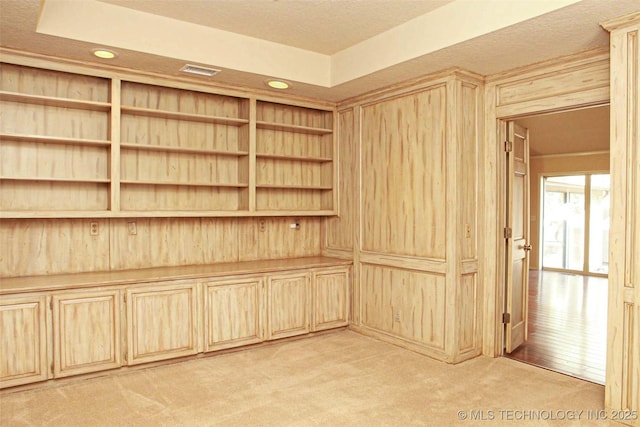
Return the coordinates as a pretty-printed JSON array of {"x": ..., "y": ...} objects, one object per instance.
[{"x": 336, "y": 379}]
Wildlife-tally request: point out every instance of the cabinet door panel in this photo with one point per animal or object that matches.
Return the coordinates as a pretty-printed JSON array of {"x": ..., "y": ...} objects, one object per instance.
[
  {"x": 233, "y": 313},
  {"x": 161, "y": 322},
  {"x": 288, "y": 306},
  {"x": 86, "y": 332},
  {"x": 23, "y": 347},
  {"x": 330, "y": 299}
]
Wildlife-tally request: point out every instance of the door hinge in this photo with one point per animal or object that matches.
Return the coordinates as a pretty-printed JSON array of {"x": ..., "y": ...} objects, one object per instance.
[
  {"x": 124, "y": 297},
  {"x": 506, "y": 318},
  {"x": 508, "y": 232},
  {"x": 51, "y": 304},
  {"x": 508, "y": 146},
  {"x": 125, "y": 356}
]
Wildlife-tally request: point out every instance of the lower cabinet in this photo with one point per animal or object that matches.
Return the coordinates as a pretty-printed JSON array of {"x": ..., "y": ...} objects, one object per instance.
[
  {"x": 23, "y": 341},
  {"x": 233, "y": 311},
  {"x": 86, "y": 332},
  {"x": 330, "y": 298},
  {"x": 288, "y": 304},
  {"x": 69, "y": 332},
  {"x": 162, "y": 321}
]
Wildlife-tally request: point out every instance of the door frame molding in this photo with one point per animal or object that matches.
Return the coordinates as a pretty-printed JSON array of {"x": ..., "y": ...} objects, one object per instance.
[{"x": 568, "y": 83}]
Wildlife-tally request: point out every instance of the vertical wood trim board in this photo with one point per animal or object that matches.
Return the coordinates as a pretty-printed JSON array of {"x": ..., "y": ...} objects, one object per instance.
[{"x": 622, "y": 390}]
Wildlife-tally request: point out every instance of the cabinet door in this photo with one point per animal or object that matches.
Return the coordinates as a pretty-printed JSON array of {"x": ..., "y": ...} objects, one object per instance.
[
  {"x": 86, "y": 332},
  {"x": 330, "y": 299},
  {"x": 161, "y": 322},
  {"x": 23, "y": 343},
  {"x": 233, "y": 313},
  {"x": 288, "y": 305}
]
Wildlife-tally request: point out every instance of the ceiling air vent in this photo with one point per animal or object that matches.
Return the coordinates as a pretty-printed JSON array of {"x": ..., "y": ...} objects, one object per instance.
[{"x": 201, "y": 71}]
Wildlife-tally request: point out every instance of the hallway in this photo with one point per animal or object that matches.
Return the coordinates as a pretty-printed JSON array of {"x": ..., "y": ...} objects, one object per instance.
[{"x": 567, "y": 325}]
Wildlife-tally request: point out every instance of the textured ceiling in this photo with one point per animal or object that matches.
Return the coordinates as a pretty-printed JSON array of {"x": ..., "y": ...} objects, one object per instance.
[{"x": 323, "y": 26}]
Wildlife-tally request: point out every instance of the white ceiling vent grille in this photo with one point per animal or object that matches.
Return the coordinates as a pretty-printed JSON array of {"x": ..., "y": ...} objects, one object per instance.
[{"x": 201, "y": 71}]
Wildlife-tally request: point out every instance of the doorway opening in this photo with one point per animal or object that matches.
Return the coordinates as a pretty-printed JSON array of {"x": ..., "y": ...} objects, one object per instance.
[{"x": 569, "y": 222}]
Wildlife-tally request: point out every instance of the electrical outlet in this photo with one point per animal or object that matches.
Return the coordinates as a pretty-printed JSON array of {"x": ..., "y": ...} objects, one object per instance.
[
  {"x": 396, "y": 316},
  {"x": 94, "y": 230},
  {"x": 262, "y": 225},
  {"x": 133, "y": 229},
  {"x": 467, "y": 231}
]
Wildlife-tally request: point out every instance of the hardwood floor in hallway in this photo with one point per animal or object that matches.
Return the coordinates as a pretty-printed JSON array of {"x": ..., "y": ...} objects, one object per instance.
[{"x": 567, "y": 325}]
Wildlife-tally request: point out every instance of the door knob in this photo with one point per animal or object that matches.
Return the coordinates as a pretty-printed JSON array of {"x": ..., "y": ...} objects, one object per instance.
[{"x": 527, "y": 247}]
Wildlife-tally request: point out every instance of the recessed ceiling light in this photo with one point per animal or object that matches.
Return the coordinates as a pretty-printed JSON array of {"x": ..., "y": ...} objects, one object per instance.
[
  {"x": 104, "y": 53},
  {"x": 278, "y": 84}
]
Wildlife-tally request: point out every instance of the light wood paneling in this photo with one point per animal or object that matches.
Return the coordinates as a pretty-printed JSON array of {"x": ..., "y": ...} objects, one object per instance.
[
  {"x": 35, "y": 247},
  {"x": 162, "y": 322},
  {"x": 570, "y": 82},
  {"x": 469, "y": 325},
  {"x": 339, "y": 231},
  {"x": 288, "y": 305},
  {"x": 469, "y": 123},
  {"x": 567, "y": 80},
  {"x": 86, "y": 332},
  {"x": 278, "y": 240},
  {"x": 405, "y": 303},
  {"x": 330, "y": 299},
  {"x": 233, "y": 313},
  {"x": 31, "y": 247},
  {"x": 622, "y": 390},
  {"x": 403, "y": 163},
  {"x": 23, "y": 348}
]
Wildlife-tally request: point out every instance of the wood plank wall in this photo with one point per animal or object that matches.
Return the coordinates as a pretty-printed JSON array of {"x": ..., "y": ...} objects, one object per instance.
[
  {"x": 51, "y": 246},
  {"x": 409, "y": 169}
]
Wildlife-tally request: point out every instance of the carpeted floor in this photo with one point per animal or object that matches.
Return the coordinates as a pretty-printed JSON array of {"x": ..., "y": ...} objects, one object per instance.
[{"x": 336, "y": 379}]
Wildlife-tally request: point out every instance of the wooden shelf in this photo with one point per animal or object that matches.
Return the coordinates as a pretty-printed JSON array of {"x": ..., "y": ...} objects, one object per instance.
[
  {"x": 294, "y": 158},
  {"x": 47, "y": 179},
  {"x": 293, "y": 128},
  {"x": 79, "y": 214},
  {"x": 149, "y": 147},
  {"x": 294, "y": 187},
  {"x": 196, "y": 153},
  {"x": 149, "y": 112},
  {"x": 182, "y": 184},
  {"x": 54, "y": 140},
  {"x": 55, "y": 102}
]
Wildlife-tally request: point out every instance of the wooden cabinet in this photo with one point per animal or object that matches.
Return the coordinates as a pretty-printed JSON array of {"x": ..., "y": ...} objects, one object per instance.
[
  {"x": 162, "y": 321},
  {"x": 23, "y": 343},
  {"x": 288, "y": 298},
  {"x": 233, "y": 311},
  {"x": 330, "y": 298},
  {"x": 60, "y": 326},
  {"x": 73, "y": 145},
  {"x": 86, "y": 332}
]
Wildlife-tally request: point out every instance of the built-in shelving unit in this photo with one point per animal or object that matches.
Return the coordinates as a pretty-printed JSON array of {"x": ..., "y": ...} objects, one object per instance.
[
  {"x": 74, "y": 145},
  {"x": 54, "y": 141},
  {"x": 294, "y": 158}
]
